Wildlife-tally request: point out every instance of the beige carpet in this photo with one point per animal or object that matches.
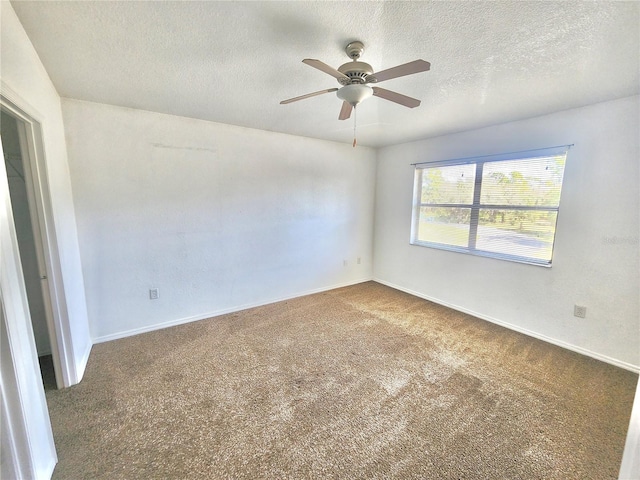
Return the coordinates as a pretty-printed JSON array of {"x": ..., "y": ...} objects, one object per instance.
[{"x": 356, "y": 383}]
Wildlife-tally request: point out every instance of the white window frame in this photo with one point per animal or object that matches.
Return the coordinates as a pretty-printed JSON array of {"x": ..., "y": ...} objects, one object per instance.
[{"x": 476, "y": 206}]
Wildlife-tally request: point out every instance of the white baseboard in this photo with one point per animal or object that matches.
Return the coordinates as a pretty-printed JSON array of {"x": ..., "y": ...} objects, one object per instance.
[
  {"x": 81, "y": 365},
  {"x": 510, "y": 326},
  {"x": 47, "y": 471},
  {"x": 217, "y": 313}
]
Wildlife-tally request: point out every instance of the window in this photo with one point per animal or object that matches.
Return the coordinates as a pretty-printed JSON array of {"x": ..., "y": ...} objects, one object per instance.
[{"x": 502, "y": 206}]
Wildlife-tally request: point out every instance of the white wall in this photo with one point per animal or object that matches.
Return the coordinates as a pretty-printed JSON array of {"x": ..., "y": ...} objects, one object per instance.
[
  {"x": 596, "y": 252},
  {"x": 216, "y": 217},
  {"x": 23, "y": 77}
]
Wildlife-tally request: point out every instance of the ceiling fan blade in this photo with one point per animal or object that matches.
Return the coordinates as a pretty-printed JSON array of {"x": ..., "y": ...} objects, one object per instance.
[
  {"x": 325, "y": 68},
  {"x": 396, "y": 97},
  {"x": 308, "y": 95},
  {"x": 410, "y": 68},
  {"x": 345, "y": 111}
]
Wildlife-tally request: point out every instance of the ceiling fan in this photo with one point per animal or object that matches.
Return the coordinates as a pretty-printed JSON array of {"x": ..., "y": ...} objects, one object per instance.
[{"x": 355, "y": 76}]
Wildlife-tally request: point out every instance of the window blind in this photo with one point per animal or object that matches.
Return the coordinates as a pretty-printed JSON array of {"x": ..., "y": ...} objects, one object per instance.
[{"x": 504, "y": 206}]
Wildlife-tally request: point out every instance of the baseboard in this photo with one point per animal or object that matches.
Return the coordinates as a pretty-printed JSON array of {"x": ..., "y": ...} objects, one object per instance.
[
  {"x": 47, "y": 471},
  {"x": 81, "y": 365},
  {"x": 217, "y": 313},
  {"x": 510, "y": 326}
]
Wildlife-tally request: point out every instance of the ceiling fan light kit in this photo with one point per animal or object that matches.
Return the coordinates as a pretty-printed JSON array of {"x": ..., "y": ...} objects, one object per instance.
[
  {"x": 354, "y": 77},
  {"x": 354, "y": 94}
]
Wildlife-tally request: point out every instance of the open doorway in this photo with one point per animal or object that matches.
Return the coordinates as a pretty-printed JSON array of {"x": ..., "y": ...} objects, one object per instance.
[{"x": 18, "y": 168}]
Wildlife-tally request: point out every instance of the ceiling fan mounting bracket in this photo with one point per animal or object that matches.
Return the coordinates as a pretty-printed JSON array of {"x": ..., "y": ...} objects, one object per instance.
[{"x": 354, "y": 50}]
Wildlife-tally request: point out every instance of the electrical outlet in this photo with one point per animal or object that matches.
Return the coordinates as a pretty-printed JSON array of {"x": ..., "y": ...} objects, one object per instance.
[
  {"x": 154, "y": 294},
  {"x": 579, "y": 311},
  {"x": 359, "y": 261},
  {"x": 345, "y": 263}
]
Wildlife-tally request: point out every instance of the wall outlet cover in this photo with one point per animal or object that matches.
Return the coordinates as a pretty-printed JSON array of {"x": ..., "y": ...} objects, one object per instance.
[{"x": 579, "y": 311}]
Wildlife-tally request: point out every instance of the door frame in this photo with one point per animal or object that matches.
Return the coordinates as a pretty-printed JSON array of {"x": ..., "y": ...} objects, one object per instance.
[
  {"x": 27, "y": 437},
  {"x": 42, "y": 221}
]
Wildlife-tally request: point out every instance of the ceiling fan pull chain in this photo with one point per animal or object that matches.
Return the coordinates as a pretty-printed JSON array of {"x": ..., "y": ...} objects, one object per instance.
[{"x": 355, "y": 116}]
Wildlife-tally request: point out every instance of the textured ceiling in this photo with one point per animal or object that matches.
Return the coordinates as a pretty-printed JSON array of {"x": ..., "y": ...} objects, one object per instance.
[{"x": 232, "y": 62}]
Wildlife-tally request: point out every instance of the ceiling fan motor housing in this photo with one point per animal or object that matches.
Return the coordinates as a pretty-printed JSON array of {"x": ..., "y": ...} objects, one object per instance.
[{"x": 356, "y": 71}]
